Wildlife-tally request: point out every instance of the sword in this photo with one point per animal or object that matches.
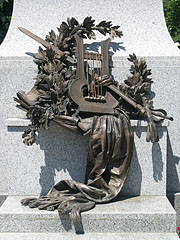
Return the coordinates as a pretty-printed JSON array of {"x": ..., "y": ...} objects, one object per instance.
[{"x": 46, "y": 44}]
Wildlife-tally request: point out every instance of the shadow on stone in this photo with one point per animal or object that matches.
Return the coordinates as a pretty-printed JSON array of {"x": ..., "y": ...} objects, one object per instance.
[
  {"x": 65, "y": 156},
  {"x": 139, "y": 131},
  {"x": 67, "y": 224},
  {"x": 15, "y": 129},
  {"x": 157, "y": 162},
  {"x": 133, "y": 182},
  {"x": 172, "y": 175},
  {"x": 66, "y": 221},
  {"x": 2, "y": 199},
  {"x": 121, "y": 198},
  {"x": 30, "y": 54},
  {"x": 114, "y": 47}
]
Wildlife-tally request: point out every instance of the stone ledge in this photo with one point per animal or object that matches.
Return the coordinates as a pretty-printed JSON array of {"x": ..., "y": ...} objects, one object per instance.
[
  {"x": 148, "y": 214},
  {"x": 24, "y": 122},
  {"x": 88, "y": 236},
  {"x": 17, "y": 122}
]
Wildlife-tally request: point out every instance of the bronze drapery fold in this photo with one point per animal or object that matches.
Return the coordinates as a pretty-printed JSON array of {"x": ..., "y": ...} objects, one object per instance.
[{"x": 108, "y": 163}]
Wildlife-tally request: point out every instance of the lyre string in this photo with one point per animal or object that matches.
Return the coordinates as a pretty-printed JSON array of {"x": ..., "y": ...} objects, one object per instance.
[
  {"x": 98, "y": 72},
  {"x": 94, "y": 88},
  {"x": 93, "y": 76},
  {"x": 101, "y": 77},
  {"x": 87, "y": 72}
]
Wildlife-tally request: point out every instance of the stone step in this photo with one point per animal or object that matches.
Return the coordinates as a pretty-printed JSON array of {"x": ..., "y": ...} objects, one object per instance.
[
  {"x": 148, "y": 214},
  {"x": 89, "y": 236}
]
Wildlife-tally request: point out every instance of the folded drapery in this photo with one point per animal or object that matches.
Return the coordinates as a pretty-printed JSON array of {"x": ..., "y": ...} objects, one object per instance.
[{"x": 109, "y": 157}]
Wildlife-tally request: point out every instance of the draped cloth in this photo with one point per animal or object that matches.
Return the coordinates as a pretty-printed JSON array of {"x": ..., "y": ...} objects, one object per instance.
[{"x": 108, "y": 162}]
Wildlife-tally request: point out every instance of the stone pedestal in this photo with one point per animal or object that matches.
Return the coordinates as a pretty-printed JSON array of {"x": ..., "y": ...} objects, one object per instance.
[
  {"x": 142, "y": 23},
  {"x": 155, "y": 168},
  {"x": 60, "y": 155},
  {"x": 143, "y": 217}
]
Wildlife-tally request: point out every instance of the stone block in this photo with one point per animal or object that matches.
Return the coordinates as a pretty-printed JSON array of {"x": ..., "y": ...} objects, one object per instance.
[
  {"x": 88, "y": 236},
  {"x": 143, "y": 214},
  {"x": 143, "y": 35},
  {"x": 17, "y": 72},
  {"x": 147, "y": 175},
  {"x": 164, "y": 94},
  {"x": 177, "y": 207},
  {"x": 174, "y": 199},
  {"x": 57, "y": 155},
  {"x": 60, "y": 154}
]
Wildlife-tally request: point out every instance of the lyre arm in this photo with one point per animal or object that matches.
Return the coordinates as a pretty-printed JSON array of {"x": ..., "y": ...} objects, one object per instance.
[
  {"x": 80, "y": 57},
  {"x": 105, "y": 56}
]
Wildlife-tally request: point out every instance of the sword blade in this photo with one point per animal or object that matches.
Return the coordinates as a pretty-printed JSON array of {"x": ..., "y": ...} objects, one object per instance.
[{"x": 45, "y": 44}]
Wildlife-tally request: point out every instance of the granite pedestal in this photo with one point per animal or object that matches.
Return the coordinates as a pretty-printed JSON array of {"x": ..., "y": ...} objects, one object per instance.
[
  {"x": 54, "y": 158},
  {"x": 88, "y": 236},
  {"x": 143, "y": 214},
  {"x": 154, "y": 168}
]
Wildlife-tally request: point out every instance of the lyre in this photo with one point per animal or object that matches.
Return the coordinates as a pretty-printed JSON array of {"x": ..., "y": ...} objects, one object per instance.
[{"x": 87, "y": 90}]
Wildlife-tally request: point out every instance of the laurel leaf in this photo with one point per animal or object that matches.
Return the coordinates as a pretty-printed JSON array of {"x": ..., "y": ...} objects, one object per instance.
[{"x": 88, "y": 23}]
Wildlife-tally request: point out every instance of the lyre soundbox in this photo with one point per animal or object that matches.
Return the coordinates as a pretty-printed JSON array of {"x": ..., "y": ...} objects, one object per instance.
[{"x": 87, "y": 90}]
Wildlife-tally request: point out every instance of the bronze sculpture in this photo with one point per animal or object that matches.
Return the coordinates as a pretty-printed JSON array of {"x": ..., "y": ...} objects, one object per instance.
[{"x": 75, "y": 89}]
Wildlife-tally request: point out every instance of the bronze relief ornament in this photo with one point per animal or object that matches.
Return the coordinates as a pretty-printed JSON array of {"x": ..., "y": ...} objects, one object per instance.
[{"x": 75, "y": 89}]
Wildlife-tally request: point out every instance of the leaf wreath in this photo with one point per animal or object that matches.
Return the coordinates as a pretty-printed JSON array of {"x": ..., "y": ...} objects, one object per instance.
[
  {"x": 138, "y": 84},
  {"x": 49, "y": 96}
]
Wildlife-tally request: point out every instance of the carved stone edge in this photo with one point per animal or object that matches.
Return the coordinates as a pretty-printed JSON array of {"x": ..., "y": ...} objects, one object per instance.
[{"x": 24, "y": 122}]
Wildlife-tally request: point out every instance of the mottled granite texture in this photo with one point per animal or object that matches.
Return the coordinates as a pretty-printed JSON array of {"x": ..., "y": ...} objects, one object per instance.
[
  {"x": 36, "y": 165},
  {"x": 60, "y": 155},
  {"x": 88, "y": 236},
  {"x": 16, "y": 73},
  {"x": 165, "y": 94},
  {"x": 148, "y": 214},
  {"x": 145, "y": 33},
  {"x": 174, "y": 199},
  {"x": 142, "y": 22}
]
